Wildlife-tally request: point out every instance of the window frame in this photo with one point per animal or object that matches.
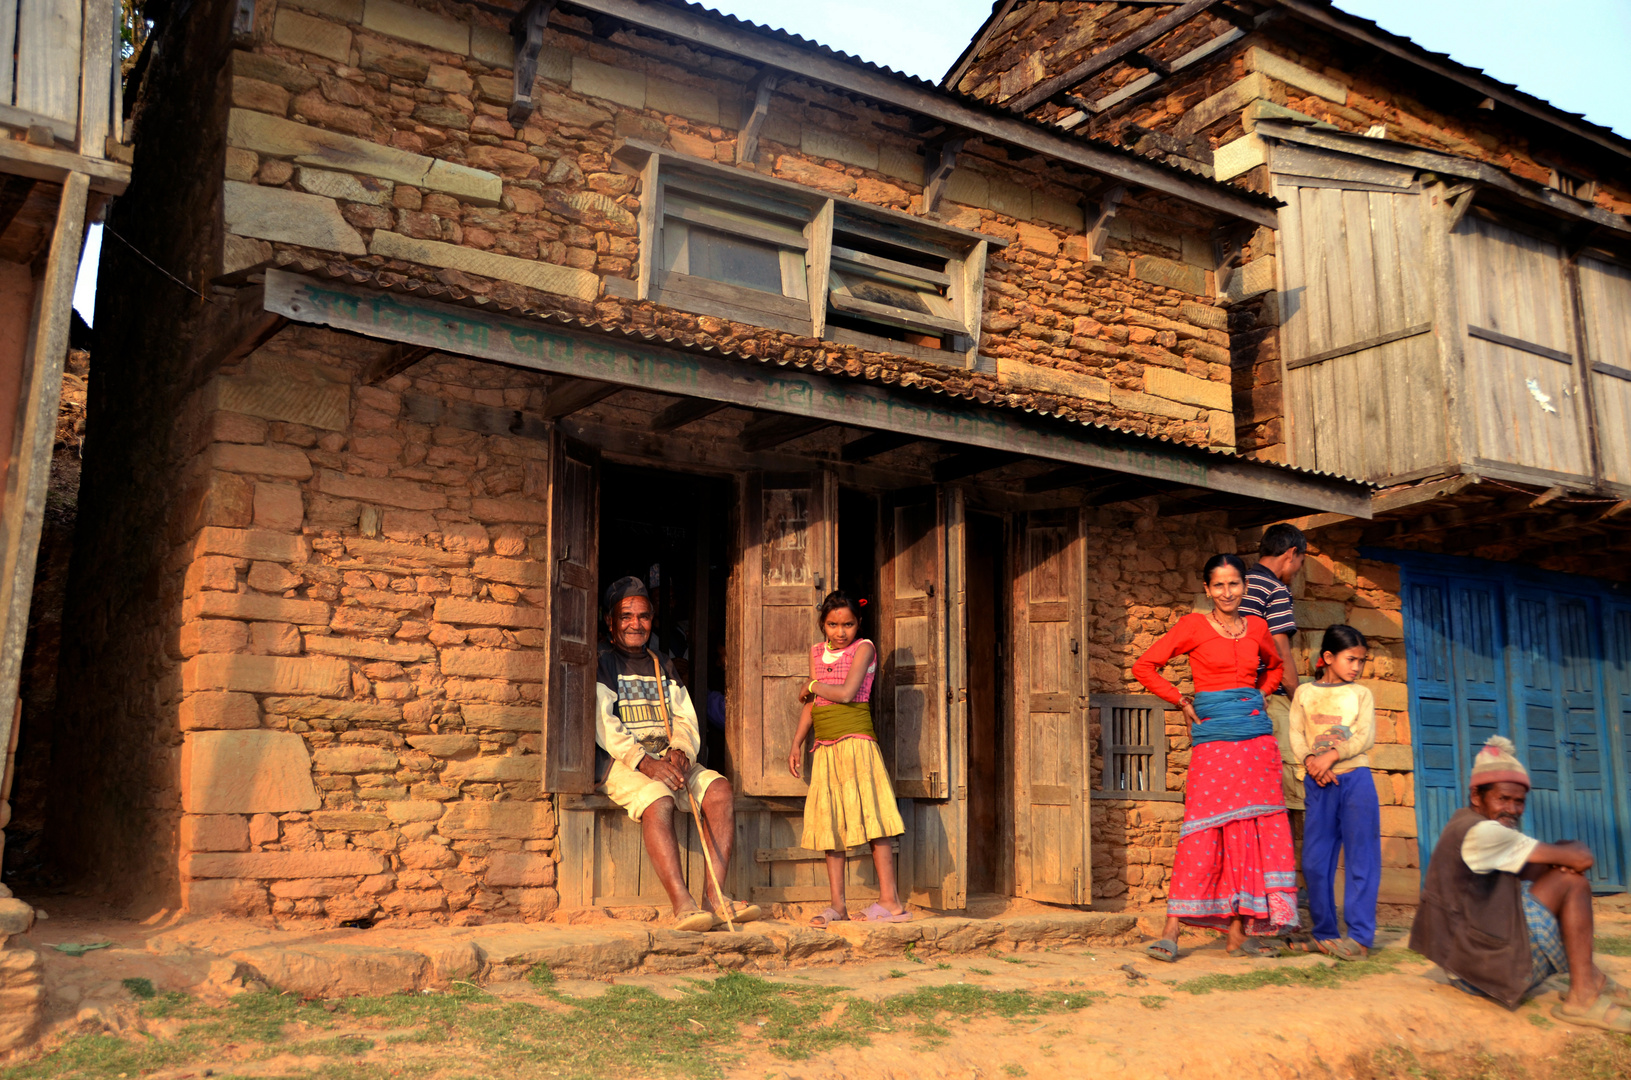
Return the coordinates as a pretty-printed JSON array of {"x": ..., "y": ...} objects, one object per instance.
[
  {"x": 831, "y": 219},
  {"x": 1156, "y": 750}
]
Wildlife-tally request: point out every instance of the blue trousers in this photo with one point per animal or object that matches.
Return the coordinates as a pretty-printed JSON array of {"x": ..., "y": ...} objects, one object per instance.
[{"x": 1343, "y": 818}]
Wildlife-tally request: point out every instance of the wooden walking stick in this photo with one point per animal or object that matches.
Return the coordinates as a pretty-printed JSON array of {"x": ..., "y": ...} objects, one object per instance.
[{"x": 696, "y": 811}]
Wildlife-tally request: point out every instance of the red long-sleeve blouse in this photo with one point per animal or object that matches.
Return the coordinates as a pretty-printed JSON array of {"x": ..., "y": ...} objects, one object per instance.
[{"x": 1215, "y": 662}]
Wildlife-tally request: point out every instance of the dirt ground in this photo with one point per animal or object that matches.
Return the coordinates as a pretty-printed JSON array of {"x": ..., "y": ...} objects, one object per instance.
[{"x": 123, "y": 1012}]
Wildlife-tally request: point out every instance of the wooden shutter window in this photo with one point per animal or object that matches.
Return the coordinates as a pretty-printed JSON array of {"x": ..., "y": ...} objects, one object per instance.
[
  {"x": 912, "y": 661},
  {"x": 1133, "y": 743},
  {"x": 569, "y": 716}
]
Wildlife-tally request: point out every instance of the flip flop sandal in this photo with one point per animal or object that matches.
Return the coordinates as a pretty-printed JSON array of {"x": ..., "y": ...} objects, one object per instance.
[
  {"x": 1302, "y": 945},
  {"x": 694, "y": 922},
  {"x": 1341, "y": 949},
  {"x": 1255, "y": 949},
  {"x": 879, "y": 913},
  {"x": 1165, "y": 950},
  {"x": 740, "y": 912},
  {"x": 1613, "y": 989},
  {"x": 828, "y": 917},
  {"x": 1597, "y": 1015}
]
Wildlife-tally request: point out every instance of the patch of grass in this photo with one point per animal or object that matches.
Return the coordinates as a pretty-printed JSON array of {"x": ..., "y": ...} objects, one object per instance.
[
  {"x": 1539, "y": 1021},
  {"x": 1014, "y": 1070},
  {"x": 340, "y": 1046},
  {"x": 540, "y": 976},
  {"x": 980, "y": 971},
  {"x": 1612, "y": 946},
  {"x": 140, "y": 988},
  {"x": 1322, "y": 976},
  {"x": 896, "y": 973},
  {"x": 1597, "y": 1059},
  {"x": 1154, "y": 1001},
  {"x": 942, "y": 966},
  {"x": 910, "y": 953}
]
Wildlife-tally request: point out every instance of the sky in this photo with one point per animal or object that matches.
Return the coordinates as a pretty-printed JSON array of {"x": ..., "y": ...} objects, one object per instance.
[{"x": 1574, "y": 57}]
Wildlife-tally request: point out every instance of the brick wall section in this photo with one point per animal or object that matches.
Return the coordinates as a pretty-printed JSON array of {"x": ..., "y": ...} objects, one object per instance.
[
  {"x": 538, "y": 217},
  {"x": 1146, "y": 577}
]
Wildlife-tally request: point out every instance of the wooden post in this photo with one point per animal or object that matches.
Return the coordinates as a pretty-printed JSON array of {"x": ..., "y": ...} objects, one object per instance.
[
  {"x": 1447, "y": 322},
  {"x": 24, "y": 509}
]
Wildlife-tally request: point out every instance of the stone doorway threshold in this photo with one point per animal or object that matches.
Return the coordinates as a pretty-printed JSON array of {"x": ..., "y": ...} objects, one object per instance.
[{"x": 200, "y": 954}]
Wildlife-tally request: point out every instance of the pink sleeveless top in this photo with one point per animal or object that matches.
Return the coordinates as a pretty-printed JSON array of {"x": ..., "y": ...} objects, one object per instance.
[{"x": 833, "y": 668}]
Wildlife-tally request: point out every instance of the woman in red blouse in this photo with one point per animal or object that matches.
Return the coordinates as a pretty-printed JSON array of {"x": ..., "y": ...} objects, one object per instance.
[{"x": 1234, "y": 868}]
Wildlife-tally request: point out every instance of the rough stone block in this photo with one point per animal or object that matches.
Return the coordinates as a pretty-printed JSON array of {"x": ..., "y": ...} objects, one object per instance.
[
  {"x": 545, "y": 277},
  {"x": 1006, "y": 197},
  {"x": 355, "y": 759},
  {"x": 1318, "y": 614},
  {"x": 477, "y": 613},
  {"x": 263, "y": 829},
  {"x": 1133, "y": 401},
  {"x": 214, "y": 832},
  {"x": 968, "y": 187},
  {"x": 267, "y": 674},
  {"x": 246, "y": 772},
  {"x": 503, "y": 717},
  {"x": 310, "y": 145},
  {"x": 510, "y": 511},
  {"x": 250, "y": 544},
  {"x": 1073, "y": 384},
  {"x": 520, "y": 868},
  {"x": 312, "y": 888},
  {"x": 1066, "y": 212},
  {"x": 496, "y": 820},
  {"x": 444, "y": 746},
  {"x": 345, "y": 186},
  {"x": 1232, "y": 159},
  {"x": 279, "y": 388},
  {"x": 317, "y": 36},
  {"x": 1293, "y": 74},
  {"x": 691, "y": 102},
  {"x": 213, "y": 636},
  {"x": 493, "y": 47},
  {"x": 1200, "y": 315},
  {"x": 241, "y": 164},
  {"x": 349, "y": 821},
  {"x": 269, "y": 865},
  {"x": 838, "y": 146},
  {"x": 404, "y": 493},
  {"x": 1169, "y": 273},
  {"x": 241, "y": 253},
  {"x": 211, "y": 710},
  {"x": 523, "y": 572},
  {"x": 290, "y": 217},
  {"x": 263, "y": 96},
  {"x": 1377, "y": 623},
  {"x": 1400, "y": 885},
  {"x": 1392, "y": 757},
  {"x": 417, "y": 25},
  {"x": 619, "y": 84},
  {"x": 363, "y": 648},
  {"x": 1392, "y": 696},
  {"x": 15, "y": 917},
  {"x": 1177, "y": 386},
  {"x": 1399, "y": 821},
  {"x": 254, "y": 607},
  {"x": 278, "y": 506},
  {"x": 283, "y": 461},
  {"x": 343, "y": 10},
  {"x": 496, "y": 769},
  {"x": 223, "y": 896},
  {"x": 494, "y": 664},
  {"x": 409, "y": 810}
]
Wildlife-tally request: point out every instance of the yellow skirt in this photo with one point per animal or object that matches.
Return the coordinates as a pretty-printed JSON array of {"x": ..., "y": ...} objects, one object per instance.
[{"x": 851, "y": 799}]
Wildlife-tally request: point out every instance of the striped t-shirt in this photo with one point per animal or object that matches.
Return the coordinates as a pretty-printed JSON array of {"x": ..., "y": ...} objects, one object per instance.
[{"x": 1268, "y": 598}]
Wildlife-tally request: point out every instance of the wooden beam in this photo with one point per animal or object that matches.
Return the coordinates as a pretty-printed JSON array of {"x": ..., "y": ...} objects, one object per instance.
[
  {"x": 773, "y": 429},
  {"x": 938, "y": 165},
  {"x": 970, "y": 463},
  {"x": 527, "y": 28},
  {"x": 396, "y": 359},
  {"x": 685, "y": 411},
  {"x": 49, "y": 163},
  {"x": 627, "y": 361},
  {"x": 1104, "y": 58},
  {"x": 568, "y": 395},
  {"x": 1359, "y": 346},
  {"x": 977, "y": 119},
  {"x": 1387, "y": 502},
  {"x": 1136, "y": 88},
  {"x": 1121, "y": 491},
  {"x": 1099, "y": 234},
  {"x": 1498, "y": 338},
  {"x": 248, "y": 326},
  {"x": 23, "y": 514},
  {"x": 747, "y": 138},
  {"x": 878, "y": 443},
  {"x": 1057, "y": 479}
]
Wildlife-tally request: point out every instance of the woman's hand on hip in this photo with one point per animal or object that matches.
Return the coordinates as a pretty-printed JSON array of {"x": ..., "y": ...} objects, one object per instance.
[{"x": 1187, "y": 706}]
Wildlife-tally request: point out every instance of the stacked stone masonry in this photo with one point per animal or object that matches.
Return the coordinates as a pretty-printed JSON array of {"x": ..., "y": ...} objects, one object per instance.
[{"x": 370, "y": 140}]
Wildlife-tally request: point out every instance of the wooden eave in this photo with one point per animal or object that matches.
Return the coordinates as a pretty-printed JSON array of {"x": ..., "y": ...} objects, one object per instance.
[
  {"x": 769, "y": 388},
  {"x": 896, "y": 91}
]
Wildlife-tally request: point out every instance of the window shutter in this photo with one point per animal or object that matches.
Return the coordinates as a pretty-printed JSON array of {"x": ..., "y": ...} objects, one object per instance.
[
  {"x": 574, "y": 525},
  {"x": 913, "y": 649}
]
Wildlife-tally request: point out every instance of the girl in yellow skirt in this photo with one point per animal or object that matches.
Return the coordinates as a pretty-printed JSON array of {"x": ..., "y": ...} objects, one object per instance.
[{"x": 851, "y": 800}]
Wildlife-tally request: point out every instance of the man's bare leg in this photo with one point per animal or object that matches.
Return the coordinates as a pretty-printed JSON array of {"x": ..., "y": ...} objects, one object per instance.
[
  {"x": 719, "y": 811},
  {"x": 657, "y": 825},
  {"x": 1568, "y": 896}
]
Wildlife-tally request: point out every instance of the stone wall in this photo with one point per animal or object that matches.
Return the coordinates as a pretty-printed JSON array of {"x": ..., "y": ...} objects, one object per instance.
[
  {"x": 369, "y": 138},
  {"x": 1146, "y": 575}
]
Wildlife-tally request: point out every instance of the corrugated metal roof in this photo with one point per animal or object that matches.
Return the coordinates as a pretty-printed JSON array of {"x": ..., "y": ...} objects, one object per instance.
[{"x": 911, "y": 380}]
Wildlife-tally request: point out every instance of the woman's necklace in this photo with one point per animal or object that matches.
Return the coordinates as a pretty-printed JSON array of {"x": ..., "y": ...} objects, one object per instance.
[{"x": 1234, "y": 635}]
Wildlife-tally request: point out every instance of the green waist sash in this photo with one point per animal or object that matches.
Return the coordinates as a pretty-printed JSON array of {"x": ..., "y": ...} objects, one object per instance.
[{"x": 837, "y": 721}]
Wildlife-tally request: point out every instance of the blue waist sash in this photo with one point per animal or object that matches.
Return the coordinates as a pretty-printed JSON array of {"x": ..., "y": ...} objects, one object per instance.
[{"x": 1230, "y": 716}]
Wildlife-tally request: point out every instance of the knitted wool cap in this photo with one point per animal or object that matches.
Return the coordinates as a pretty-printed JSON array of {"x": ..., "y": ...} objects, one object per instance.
[
  {"x": 1498, "y": 761},
  {"x": 622, "y": 589}
]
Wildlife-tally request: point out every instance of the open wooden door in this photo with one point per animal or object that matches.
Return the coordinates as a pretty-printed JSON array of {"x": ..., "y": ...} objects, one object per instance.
[
  {"x": 1050, "y": 710},
  {"x": 913, "y": 699},
  {"x": 787, "y": 564},
  {"x": 574, "y": 526}
]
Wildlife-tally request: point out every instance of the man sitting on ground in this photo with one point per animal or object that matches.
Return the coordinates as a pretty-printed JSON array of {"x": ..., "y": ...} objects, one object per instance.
[
  {"x": 647, "y": 727},
  {"x": 1502, "y": 912}
]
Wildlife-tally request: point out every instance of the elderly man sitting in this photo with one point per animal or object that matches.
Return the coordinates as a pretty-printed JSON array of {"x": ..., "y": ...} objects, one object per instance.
[
  {"x": 1501, "y": 912},
  {"x": 647, "y": 727}
]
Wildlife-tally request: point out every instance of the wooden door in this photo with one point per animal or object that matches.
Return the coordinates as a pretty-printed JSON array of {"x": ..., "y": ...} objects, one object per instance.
[
  {"x": 1605, "y": 295},
  {"x": 1363, "y": 392},
  {"x": 1521, "y": 366},
  {"x": 1050, "y": 710},
  {"x": 1616, "y": 670},
  {"x": 914, "y": 702},
  {"x": 569, "y": 717},
  {"x": 786, "y": 566}
]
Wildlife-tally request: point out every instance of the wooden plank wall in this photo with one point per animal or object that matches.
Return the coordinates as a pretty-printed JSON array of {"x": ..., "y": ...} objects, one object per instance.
[
  {"x": 48, "y": 60},
  {"x": 1353, "y": 266},
  {"x": 1525, "y": 407},
  {"x": 1606, "y": 301}
]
